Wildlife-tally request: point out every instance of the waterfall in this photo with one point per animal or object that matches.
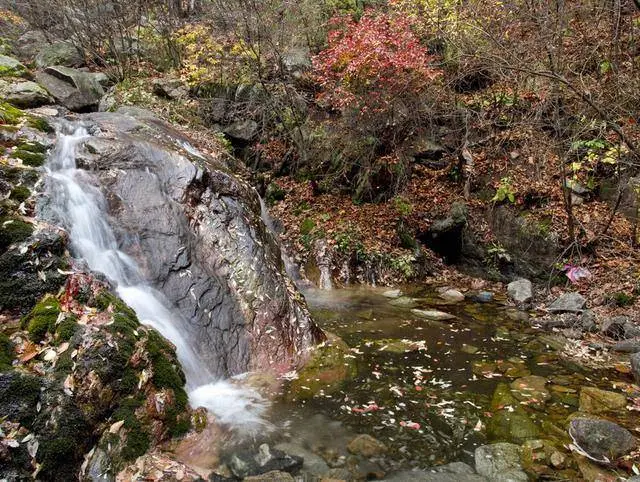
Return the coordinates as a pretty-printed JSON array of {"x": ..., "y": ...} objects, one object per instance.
[{"x": 81, "y": 207}]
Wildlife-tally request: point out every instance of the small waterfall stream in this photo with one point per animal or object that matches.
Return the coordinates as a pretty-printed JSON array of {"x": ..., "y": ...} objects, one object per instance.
[{"x": 81, "y": 207}]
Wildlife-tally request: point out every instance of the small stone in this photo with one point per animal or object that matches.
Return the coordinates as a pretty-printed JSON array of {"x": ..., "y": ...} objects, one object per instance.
[
  {"x": 452, "y": 295},
  {"x": 627, "y": 346},
  {"x": 170, "y": 88},
  {"x": 481, "y": 297},
  {"x": 635, "y": 366},
  {"x": 434, "y": 315},
  {"x": 568, "y": 302},
  {"x": 366, "y": 446},
  {"x": 404, "y": 301},
  {"x": 601, "y": 439},
  {"x": 594, "y": 400},
  {"x": 520, "y": 291},
  {"x": 392, "y": 294},
  {"x": 558, "y": 460},
  {"x": 614, "y": 327}
]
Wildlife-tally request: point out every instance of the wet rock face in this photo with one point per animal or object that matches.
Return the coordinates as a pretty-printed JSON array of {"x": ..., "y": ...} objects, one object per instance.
[{"x": 195, "y": 229}]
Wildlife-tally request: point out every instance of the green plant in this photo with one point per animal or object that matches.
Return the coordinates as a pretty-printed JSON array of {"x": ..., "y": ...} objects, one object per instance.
[
  {"x": 504, "y": 191},
  {"x": 402, "y": 205},
  {"x": 306, "y": 226}
]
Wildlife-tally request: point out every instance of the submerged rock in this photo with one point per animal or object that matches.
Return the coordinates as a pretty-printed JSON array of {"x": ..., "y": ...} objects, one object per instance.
[
  {"x": 601, "y": 439},
  {"x": 367, "y": 446},
  {"x": 452, "y": 295},
  {"x": 531, "y": 390},
  {"x": 593, "y": 400},
  {"x": 434, "y": 315},
  {"x": 500, "y": 462},
  {"x": 453, "y": 472}
]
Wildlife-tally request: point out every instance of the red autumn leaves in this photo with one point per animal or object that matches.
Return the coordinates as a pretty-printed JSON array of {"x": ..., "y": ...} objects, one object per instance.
[{"x": 371, "y": 64}]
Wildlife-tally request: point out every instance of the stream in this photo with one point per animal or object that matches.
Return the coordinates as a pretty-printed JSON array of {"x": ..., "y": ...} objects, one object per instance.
[{"x": 430, "y": 390}]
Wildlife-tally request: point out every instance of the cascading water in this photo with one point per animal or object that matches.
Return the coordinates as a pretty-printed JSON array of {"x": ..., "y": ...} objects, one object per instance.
[{"x": 81, "y": 207}]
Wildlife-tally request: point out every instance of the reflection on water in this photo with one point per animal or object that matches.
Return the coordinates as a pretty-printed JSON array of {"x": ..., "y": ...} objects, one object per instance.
[{"x": 423, "y": 387}]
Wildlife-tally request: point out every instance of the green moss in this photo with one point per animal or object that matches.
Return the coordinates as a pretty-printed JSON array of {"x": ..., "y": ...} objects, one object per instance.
[
  {"x": 7, "y": 353},
  {"x": 306, "y": 226},
  {"x": 165, "y": 373},
  {"x": 67, "y": 328},
  {"x": 18, "y": 401},
  {"x": 42, "y": 319},
  {"x": 9, "y": 114},
  {"x": 138, "y": 441},
  {"x": 33, "y": 147},
  {"x": 20, "y": 193},
  {"x": 34, "y": 159},
  {"x": 40, "y": 124},
  {"x": 64, "y": 364},
  {"x": 13, "y": 230}
]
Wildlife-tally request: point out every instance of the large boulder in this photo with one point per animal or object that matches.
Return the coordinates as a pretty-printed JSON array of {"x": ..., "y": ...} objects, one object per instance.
[
  {"x": 197, "y": 234},
  {"x": 58, "y": 53},
  {"x": 76, "y": 90},
  {"x": 27, "y": 95},
  {"x": 601, "y": 439},
  {"x": 10, "y": 67}
]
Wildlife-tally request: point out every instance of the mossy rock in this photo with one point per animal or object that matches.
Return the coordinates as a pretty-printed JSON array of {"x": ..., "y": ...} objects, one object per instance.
[
  {"x": 20, "y": 194},
  {"x": 10, "y": 115},
  {"x": 67, "y": 328},
  {"x": 509, "y": 422},
  {"x": 7, "y": 353},
  {"x": 40, "y": 124},
  {"x": 19, "y": 395},
  {"x": 10, "y": 67},
  {"x": 326, "y": 370},
  {"x": 13, "y": 230},
  {"x": 33, "y": 159},
  {"x": 42, "y": 319}
]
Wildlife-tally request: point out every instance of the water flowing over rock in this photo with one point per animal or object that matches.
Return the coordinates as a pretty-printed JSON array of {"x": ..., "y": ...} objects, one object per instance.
[{"x": 195, "y": 232}]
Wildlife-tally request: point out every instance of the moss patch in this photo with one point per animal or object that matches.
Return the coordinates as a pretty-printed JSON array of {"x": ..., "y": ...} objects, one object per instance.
[
  {"x": 13, "y": 230},
  {"x": 67, "y": 328},
  {"x": 42, "y": 319},
  {"x": 33, "y": 159},
  {"x": 20, "y": 194},
  {"x": 40, "y": 124},
  {"x": 9, "y": 114},
  {"x": 7, "y": 353},
  {"x": 138, "y": 441}
]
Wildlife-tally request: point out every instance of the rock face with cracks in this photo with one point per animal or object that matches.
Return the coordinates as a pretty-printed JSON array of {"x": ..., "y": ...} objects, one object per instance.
[{"x": 195, "y": 229}]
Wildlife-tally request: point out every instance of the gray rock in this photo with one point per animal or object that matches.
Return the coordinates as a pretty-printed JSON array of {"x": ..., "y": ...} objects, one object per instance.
[
  {"x": 108, "y": 102},
  {"x": 452, "y": 295},
  {"x": 10, "y": 67},
  {"x": 313, "y": 464},
  {"x": 30, "y": 43},
  {"x": 27, "y": 95},
  {"x": 296, "y": 60},
  {"x": 481, "y": 296},
  {"x": 588, "y": 321},
  {"x": 392, "y": 293},
  {"x": 198, "y": 235},
  {"x": 631, "y": 330},
  {"x": 635, "y": 366},
  {"x": 601, "y": 439},
  {"x": 58, "y": 53},
  {"x": 500, "y": 462},
  {"x": 453, "y": 472},
  {"x": 520, "y": 291},
  {"x": 243, "y": 131},
  {"x": 245, "y": 464},
  {"x": 170, "y": 88},
  {"x": 568, "y": 302},
  {"x": 76, "y": 90},
  {"x": 614, "y": 327},
  {"x": 434, "y": 315},
  {"x": 627, "y": 346}
]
